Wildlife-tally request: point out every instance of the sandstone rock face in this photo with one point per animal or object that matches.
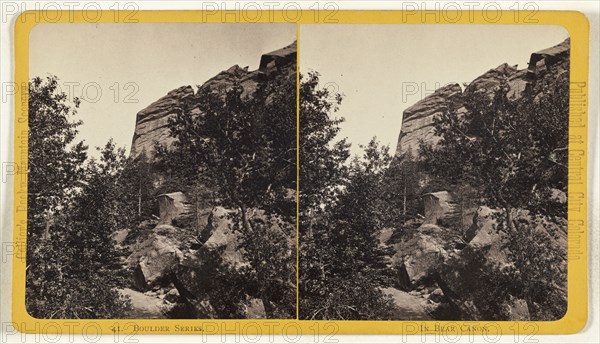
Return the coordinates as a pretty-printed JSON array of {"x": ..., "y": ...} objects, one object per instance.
[
  {"x": 491, "y": 80},
  {"x": 152, "y": 122},
  {"x": 417, "y": 120},
  {"x": 542, "y": 61},
  {"x": 174, "y": 261},
  {"x": 440, "y": 260}
]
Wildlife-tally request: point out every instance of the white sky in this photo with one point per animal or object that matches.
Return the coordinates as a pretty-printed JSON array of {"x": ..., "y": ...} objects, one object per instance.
[
  {"x": 372, "y": 65},
  {"x": 156, "y": 57}
]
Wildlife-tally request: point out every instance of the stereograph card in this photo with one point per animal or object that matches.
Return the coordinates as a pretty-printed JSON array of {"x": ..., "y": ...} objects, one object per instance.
[{"x": 298, "y": 171}]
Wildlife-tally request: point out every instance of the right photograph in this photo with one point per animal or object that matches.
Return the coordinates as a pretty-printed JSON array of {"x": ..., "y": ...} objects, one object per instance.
[{"x": 433, "y": 172}]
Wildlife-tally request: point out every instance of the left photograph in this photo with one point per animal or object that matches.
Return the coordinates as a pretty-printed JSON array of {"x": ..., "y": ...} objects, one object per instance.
[{"x": 162, "y": 171}]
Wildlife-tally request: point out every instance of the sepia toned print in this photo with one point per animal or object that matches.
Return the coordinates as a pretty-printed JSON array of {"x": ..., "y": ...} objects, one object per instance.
[
  {"x": 185, "y": 210},
  {"x": 466, "y": 219},
  {"x": 217, "y": 178}
]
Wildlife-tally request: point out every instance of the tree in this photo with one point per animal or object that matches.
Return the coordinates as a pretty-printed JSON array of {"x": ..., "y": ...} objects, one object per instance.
[
  {"x": 136, "y": 185},
  {"x": 72, "y": 268},
  {"x": 539, "y": 270},
  {"x": 502, "y": 147},
  {"x": 342, "y": 266},
  {"x": 513, "y": 153},
  {"x": 362, "y": 213},
  {"x": 322, "y": 167},
  {"x": 244, "y": 148},
  {"x": 55, "y": 161},
  {"x": 402, "y": 181}
]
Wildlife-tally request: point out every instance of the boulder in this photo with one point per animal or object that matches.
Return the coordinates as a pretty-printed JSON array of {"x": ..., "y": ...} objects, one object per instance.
[
  {"x": 440, "y": 208},
  {"x": 145, "y": 306},
  {"x": 487, "y": 233},
  {"x": 153, "y": 259},
  {"x": 223, "y": 238},
  {"x": 437, "y": 295},
  {"x": 172, "y": 295},
  {"x": 518, "y": 310},
  {"x": 408, "y": 307},
  {"x": 558, "y": 196},
  {"x": 172, "y": 207},
  {"x": 255, "y": 309},
  {"x": 384, "y": 235},
  {"x": 422, "y": 251},
  {"x": 119, "y": 236}
]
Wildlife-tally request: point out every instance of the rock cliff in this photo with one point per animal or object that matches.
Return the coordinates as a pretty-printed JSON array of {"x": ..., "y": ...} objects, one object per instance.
[
  {"x": 417, "y": 120},
  {"x": 151, "y": 124}
]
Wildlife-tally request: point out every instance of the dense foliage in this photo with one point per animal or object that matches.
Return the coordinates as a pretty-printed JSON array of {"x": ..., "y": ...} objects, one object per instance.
[
  {"x": 513, "y": 153},
  {"x": 342, "y": 265},
  {"x": 73, "y": 268},
  {"x": 243, "y": 148}
]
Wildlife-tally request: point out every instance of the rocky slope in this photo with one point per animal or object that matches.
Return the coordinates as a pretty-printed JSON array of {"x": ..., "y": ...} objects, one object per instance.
[
  {"x": 431, "y": 258},
  {"x": 171, "y": 258}
]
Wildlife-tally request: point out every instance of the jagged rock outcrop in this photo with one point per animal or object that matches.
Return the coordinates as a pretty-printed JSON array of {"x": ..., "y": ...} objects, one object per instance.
[
  {"x": 434, "y": 263},
  {"x": 544, "y": 60},
  {"x": 223, "y": 237},
  {"x": 486, "y": 234},
  {"x": 423, "y": 250},
  {"x": 154, "y": 253},
  {"x": 152, "y": 122},
  {"x": 173, "y": 264},
  {"x": 417, "y": 120}
]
